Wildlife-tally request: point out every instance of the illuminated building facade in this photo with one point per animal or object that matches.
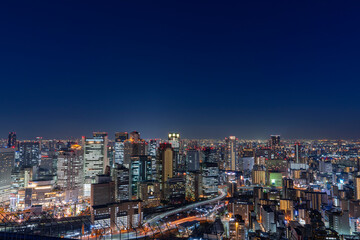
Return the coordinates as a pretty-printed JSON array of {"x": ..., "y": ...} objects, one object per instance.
[
  {"x": 95, "y": 159},
  {"x": 231, "y": 153},
  {"x": 70, "y": 171},
  {"x": 29, "y": 153},
  {"x": 140, "y": 171},
  {"x": 119, "y": 147},
  {"x": 121, "y": 177},
  {"x": 174, "y": 140},
  {"x": 275, "y": 141},
  {"x": 209, "y": 179},
  {"x": 193, "y": 160},
  {"x": 12, "y": 140},
  {"x": 7, "y": 157}
]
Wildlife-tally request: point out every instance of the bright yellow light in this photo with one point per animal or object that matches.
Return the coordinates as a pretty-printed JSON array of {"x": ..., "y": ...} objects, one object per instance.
[{"x": 76, "y": 146}]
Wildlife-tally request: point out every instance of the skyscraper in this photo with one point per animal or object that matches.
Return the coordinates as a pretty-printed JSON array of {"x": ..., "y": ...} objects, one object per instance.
[
  {"x": 70, "y": 171},
  {"x": 275, "y": 141},
  {"x": 165, "y": 163},
  {"x": 120, "y": 138},
  {"x": 134, "y": 146},
  {"x": 140, "y": 171},
  {"x": 174, "y": 140},
  {"x": 193, "y": 160},
  {"x": 297, "y": 153},
  {"x": 153, "y": 146},
  {"x": 95, "y": 158},
  {"x": 357, "y": 188},
  {"x": 209, "y": 179},
  {"x": 122, "y": 181},
  {"x": 231, "y": 153},
  {"x": 12, "y": 140},
  {"x": 7, "y": 157},
  {"x": 29, "y": 153}
]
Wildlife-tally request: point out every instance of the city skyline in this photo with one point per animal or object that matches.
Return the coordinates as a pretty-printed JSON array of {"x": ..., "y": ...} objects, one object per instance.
[{"x": 205, "y": 69}]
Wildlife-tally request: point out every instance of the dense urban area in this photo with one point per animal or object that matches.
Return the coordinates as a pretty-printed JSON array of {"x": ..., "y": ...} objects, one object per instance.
[{"x": 126, "y": 187}]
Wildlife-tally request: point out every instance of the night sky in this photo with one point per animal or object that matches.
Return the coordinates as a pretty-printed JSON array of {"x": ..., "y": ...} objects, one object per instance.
[{"x": 207, "y": 69}]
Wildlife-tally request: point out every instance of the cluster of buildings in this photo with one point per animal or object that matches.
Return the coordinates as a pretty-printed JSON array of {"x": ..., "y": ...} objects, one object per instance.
[{"x": 307, "y": 189}]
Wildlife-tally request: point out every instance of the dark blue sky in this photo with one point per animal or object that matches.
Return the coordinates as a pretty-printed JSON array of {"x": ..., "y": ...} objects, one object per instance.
[{"x": 204, "y": 68}]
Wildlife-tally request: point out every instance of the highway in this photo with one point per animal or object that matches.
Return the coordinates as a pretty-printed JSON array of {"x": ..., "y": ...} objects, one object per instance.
[
  {"x": 151, "y": 223},
  {"x": 154, "y": 219}
]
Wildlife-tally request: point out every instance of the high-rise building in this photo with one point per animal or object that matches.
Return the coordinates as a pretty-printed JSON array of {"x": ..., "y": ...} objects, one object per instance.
[
  {"x": 7, "y": 157},
  {"x": 95, "y": 158},
  {"x": 165, "y": 161},
  {"x": 193, "y": 160},
  {"x": 119, "y": 147},
  {"x": 210, "y": 155},
  {"x": 174, "y": 140},
  {"x": 102, "y": 191},
  {"x": 12, "y": 140},
  {"x": 297, "y": 153},
  {"x": 121, "y": 136},
  {"x": 192, "y": 187},
  {"x": 231, "y": 153},
  {"x": 357, "y": 188},
  {"x": 275, "y": 141},
  {"x": 121, "y": 177},
  {"x": 149, "y": 193},
  {"x": 165, "y": 157},
  {"x": 339, "y": 221},
  {"x": 70, "y": 171},
  {"x": 140, "y": 171},
  {"x": 134, "y": 146},
  {"x": 135, "y": 136},
  {"x": 209, "y": 179},
  {"x": 153, "y": 146},
  {"x": 29, "y": 153}
]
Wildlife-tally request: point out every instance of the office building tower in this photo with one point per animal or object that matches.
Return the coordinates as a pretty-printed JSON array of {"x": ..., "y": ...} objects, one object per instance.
[
  {"x": 29, "y": 153},
  {"x": 287, "y": 185},
  {"x": 174, "y": 191},
  {"x": 134, "y": 146},
  {"x": 231, "y": 153},
  {"x": 339, "y": 221},
  {"x": 149, "y": 194},
  {"x": 268, "y": 218},
  {"x": 7, "y": 157},
  {"x": 210, "y": 155},
  {"x": 140, "y": 171},
  {"x": 95, "y": 159},
  {"x": 70, "y": 171},
  {"x": 152, "y": 148},
  {"x": 119, "y": 147},
  {"x": 357, "y": 188},
  {"x": 165, "y": 161},
  {"x": 135, "y": 136},
  {"x": 47, "y": 162},
  {"x": 12, "y": 140},
  {"x": 275, "y": 141},
  {"x": 193, "y": 160},
  {"x": 153, "y": 145},
  {"x": 102, "y": 191},
  {"x": 121, "y": 177},
  {"x": 121, "y": 136},
  {"x": 259, "y": 175},
  {"x": 174, "y": 140},
  {"x": 297, "y": 153},
  {"x": 165, "y": 157},
  {"x": 192, "y": 187},
  {"x": 209, "y": 179}
]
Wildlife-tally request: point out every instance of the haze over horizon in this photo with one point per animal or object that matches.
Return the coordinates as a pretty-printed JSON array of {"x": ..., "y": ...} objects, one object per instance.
[{"x": 204, "y": 69}]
